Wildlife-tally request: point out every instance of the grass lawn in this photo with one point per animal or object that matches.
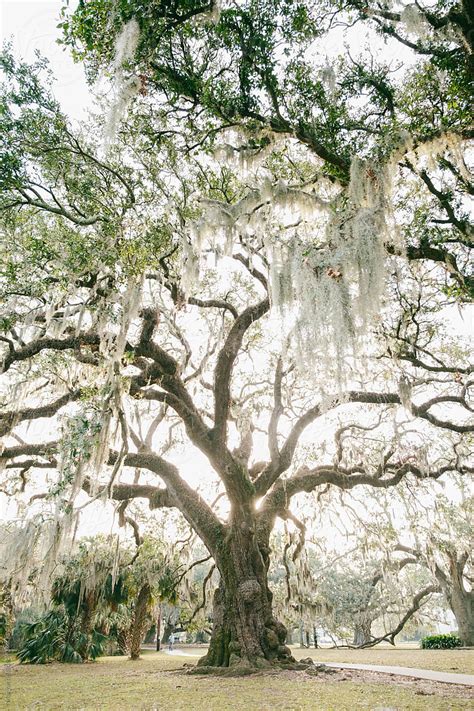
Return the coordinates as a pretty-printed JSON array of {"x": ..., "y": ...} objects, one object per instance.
[
  {"x": 448, "y": 660},
  {"x": 159, "y": 681}
]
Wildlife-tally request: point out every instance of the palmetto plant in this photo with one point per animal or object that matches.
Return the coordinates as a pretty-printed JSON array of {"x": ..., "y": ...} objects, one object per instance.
[
  {"x": 58, "y": 637},
  {"x": 85, "y": 592},
  {"x": 101, "y": 594}
]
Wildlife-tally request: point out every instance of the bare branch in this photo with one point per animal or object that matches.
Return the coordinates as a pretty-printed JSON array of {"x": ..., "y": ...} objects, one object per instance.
[
  {"x": 225, "y": 363},
  {"x": 10, "y": 419},
  {"x": 56, "y": 344}
]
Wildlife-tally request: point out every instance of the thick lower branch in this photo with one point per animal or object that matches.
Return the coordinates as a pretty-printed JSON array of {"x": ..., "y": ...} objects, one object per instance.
[
  {"x": 415, "y": 606},
  {"x": 9, "y": 419},
  {"x": 55, "y": 344}
]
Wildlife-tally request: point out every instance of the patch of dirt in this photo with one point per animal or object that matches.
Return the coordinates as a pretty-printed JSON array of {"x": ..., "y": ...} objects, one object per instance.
[{"x": 420, "y": 687}]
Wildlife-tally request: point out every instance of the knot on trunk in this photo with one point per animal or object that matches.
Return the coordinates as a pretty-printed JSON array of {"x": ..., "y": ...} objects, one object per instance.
[
  {"x": 271, "y": 638},
  {"x": 280, "y": 629},
  {"x": 249, "y": 590}
]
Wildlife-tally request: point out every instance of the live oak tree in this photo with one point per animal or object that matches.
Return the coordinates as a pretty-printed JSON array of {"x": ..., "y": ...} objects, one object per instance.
[
  {"x": 361, "y": 597},
  {"x": 443, "y": 545},
  {"x": 455, "y": 581},
  {"x": 426, "y": 531},
  {"x": 103, "y": 302},
  {"x": 356, "y": 591}
]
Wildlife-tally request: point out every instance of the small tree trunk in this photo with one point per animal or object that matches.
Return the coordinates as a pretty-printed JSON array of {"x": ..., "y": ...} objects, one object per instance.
[
  {"x": 123, "y": 640},
  {"x": 139, "y": 621},
  {"x": 6, "y": 617},
  {"x": 158, "y": 629},
  {"x": 315, "y": 637},
  {"x": 89, "y": 604},
  {"x": 168, "y": 631},
  {"x": 362, "y": 633},
  {"x": 301, "y": 634},
  {"x": 245, "y": 634},
  {"x": 462, "y": 605}
]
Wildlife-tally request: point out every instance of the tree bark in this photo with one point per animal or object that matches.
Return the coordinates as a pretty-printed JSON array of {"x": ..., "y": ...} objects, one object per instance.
[
  {"x": 6, "y": 617},
  {"x": 158, "y": 629},
  {"x": 89, "y": 605},
  {"x": 123, "y": 640},
  {"x": 301, "y": 633},
  {"x": 169, "y": 629},
  {"x": 245, "y": 634},
  {"x": 462, "y": 604},
  {"x": 362, "y": 633},
  {"x": 139, "y": 621},
  {"x": 461, "y": 600}
]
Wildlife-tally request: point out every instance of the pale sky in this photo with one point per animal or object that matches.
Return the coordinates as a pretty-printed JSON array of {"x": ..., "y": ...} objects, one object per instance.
[{"x": 31, "y": 25}]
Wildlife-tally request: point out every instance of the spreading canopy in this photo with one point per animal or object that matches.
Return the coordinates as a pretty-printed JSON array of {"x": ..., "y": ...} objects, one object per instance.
[{"x": 112, "y": 301}]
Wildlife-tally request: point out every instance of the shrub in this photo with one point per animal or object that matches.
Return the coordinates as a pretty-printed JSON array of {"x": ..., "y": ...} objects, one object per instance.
[
  {"x": 441, "y": 641},
  {"x": 55, "y": 637},
  {"x": 22, "y": 620}
]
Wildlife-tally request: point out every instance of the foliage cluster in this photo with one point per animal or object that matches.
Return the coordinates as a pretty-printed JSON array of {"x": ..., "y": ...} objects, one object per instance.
[
  {"x": 93, "y": 601},
  {"x": 441, "y": 641},
  {"x": 57, "y": 636}
]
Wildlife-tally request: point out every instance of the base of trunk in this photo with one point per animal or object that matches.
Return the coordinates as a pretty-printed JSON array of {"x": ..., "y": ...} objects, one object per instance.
[
  {"x": 243, "y": 666},
  {"x": 244, "y": 640}
]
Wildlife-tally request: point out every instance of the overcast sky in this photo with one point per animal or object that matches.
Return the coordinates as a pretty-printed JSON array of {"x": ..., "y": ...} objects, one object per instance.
[{"x": 32, "y": 26}]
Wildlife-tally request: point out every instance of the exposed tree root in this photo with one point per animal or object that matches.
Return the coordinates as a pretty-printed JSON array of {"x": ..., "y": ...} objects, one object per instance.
[{"x": 245, "y": 667}]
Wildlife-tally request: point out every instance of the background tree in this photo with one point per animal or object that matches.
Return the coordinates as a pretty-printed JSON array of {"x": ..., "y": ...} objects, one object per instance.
[
  {"x": 425, "y": 532},
  {"x": 6, "y": 616},
  {"x": 101, "y": 593},
  {"x": 360, "y": 600},
  {"x": 152, "y": 577},
  {"x": 354, "y": 593},
  {"x": 443, "y": 544}
]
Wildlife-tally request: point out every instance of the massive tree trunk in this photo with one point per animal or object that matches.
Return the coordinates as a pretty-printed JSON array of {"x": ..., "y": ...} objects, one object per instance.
[
  {"x": 245, "y": 634},
  {"x": 139, "y": 621}
]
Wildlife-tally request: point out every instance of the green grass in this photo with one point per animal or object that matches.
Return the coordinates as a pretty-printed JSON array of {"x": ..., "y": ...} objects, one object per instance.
[
  {"x": 114, "y": 683},
  {"x": 460, "y": 661}
]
